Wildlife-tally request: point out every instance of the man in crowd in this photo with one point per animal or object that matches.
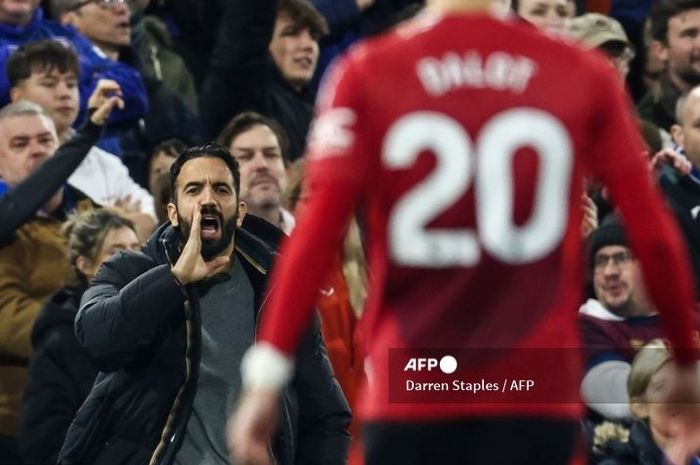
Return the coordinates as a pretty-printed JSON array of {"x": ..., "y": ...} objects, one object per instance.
[
  {"x": 22, "y": 21},
  {"x": 46, "y": 72},
  {"x": 617, "y": 323},
  {"x": 266, "y": 56},
  {"x": 181, "y": 314},
  {"x": 33, "y": 263},
  {"x": 260, "y": 146},
  {"x": 107, "y": 25},
  {"x": 675, "y": 31}
]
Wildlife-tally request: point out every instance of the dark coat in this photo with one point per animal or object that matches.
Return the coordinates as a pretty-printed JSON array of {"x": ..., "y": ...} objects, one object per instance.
[
  {"x": 683, "y": 196},
  {"x": 640, "y": 449},
  {"x": 141, "y": 328},
  {"x": 60, "y": 376}
]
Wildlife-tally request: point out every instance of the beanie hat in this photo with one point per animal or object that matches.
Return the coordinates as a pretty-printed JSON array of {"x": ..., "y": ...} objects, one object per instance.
[{"x": 610, "y": 232}]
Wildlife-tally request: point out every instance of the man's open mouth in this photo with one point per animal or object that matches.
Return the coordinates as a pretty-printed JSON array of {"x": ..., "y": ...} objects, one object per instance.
[{"x": 211, "y": 226}]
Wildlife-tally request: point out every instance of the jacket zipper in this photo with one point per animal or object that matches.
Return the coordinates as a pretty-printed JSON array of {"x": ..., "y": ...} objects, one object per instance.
[
  {"x": 188, "y": 369},
  {"x": 178, "y": 398},
  {"x": 262, "y": 270}
]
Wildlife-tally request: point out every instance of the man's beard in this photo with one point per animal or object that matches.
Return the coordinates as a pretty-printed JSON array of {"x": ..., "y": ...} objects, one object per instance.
[
  {"x": 212, "y": 248},
  {"x": 689, "y": 75}
]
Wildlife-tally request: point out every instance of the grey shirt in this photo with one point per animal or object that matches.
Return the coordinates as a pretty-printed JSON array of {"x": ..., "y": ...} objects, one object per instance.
[{"x": 227, "y": 331}]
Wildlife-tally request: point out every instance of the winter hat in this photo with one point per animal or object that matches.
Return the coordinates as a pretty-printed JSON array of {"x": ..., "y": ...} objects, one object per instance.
[{"x": 610, "y": 232}]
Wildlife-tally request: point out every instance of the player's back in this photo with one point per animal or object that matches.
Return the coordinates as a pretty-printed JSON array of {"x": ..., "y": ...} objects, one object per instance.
[{"x": 478, "y": 132}]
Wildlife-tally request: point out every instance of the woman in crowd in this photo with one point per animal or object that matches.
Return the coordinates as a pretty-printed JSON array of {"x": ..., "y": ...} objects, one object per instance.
[
  {"x": 60, "y": 372},
  {"x": 548, "y": 15}
]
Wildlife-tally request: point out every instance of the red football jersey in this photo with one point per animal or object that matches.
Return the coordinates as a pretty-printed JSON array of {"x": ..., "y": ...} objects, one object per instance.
[{"x": 463, "y": 141}]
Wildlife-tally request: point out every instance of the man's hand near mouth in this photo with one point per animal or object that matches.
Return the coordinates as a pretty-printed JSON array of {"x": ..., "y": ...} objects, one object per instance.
[{"x": 191, "y": 267}]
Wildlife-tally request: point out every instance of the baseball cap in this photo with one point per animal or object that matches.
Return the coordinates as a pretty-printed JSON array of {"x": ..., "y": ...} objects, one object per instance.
[{"x": 594, "y": 29}]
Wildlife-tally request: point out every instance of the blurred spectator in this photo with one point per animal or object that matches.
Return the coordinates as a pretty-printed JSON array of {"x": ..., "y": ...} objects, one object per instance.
[
  {"x": 162, "y": 158},
  {"x": 194, "y": 27},
  {"x": 616, "y": 323},
  {"x": 548, "y": 15},
  {"x": 596, "y": 31},
  {"x": 61, "y": 373},
  {"x": 33, "y": 265},
  {"x": 20, "y": 201},
  {"x": 260, "y": 146},
  {"x": 107, "y": 25},
  {"x": 603, "y": 33},
  {"x": 159, "y": 62},
  {"x": 653, "y": 64},
  {"x": 683, "y": 191},
  {"x": 23, "y": 21},
  {"x": 675, "y": 30},
  {"x": 266, "y": 56},
  {"x": 647, "y": 440},
  {"x": 352, "y": 20},
  {"x": 45, "y": 72},
  {"x": 631, "y": 14},
  {"x": 571, "y": 9}
]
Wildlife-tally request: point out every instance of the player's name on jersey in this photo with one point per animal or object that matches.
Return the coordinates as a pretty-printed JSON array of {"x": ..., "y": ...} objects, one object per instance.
[{"x": 458, "y": 70}]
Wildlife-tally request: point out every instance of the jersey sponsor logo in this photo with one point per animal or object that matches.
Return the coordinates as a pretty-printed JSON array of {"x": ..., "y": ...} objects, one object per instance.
[
  {"x": 498, "y": 71},
  {"x": 487, "y": 164},
  {"x": 332, "y": 133}
]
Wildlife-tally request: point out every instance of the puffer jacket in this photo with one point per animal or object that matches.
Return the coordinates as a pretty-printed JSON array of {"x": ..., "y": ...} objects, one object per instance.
[
  {"x": 142, "y": 330},
  {"x": 60, "y": 377}
]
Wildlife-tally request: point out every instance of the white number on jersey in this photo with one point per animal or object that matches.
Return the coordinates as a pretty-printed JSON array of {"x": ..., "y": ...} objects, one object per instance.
[{"x": 489, "y": 167}]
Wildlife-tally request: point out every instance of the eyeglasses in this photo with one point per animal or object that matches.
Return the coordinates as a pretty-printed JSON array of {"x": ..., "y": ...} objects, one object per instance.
[
  {"x": 104, "y": 4},
  {"x": 619, "y": 51},
  {"x": 600, "y": 262}
]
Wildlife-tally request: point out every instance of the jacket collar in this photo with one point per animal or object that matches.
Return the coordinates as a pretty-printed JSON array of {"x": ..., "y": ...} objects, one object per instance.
[{"x": 165, "y": 246}]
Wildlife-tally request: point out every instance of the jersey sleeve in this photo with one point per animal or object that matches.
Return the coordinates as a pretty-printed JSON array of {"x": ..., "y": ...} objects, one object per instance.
[
  {"x": 338, "y": 169},
  {"x": 616, "y": 159}
]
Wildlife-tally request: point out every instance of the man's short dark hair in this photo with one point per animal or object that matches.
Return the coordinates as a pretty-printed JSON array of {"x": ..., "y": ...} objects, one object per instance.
[
  {"x": 41, "y": 56},
  {"x": 242, "y": 122},
  {"x": 212, "y": 150},
  {"x": 663, "y": 11},
  {"x": 304, "y": 14}
]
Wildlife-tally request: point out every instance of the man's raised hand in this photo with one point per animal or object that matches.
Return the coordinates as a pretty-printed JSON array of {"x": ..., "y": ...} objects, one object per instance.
[
  {"x": 191, "y": 267},
  {"x": 104, "y": 98}
]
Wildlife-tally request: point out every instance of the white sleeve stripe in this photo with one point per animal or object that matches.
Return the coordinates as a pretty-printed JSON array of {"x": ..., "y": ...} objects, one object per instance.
[{"x": 264, "y": 367}]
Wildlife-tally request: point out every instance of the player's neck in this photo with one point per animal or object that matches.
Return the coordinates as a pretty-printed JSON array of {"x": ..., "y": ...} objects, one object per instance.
[{"x": 467, "y": 6}]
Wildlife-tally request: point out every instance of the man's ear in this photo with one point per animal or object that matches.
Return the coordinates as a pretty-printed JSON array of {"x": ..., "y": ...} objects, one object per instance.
[
  {"x": 659, "y": 50},
  {"x": 172, "y": 214},
  {"x": 84, "y": 265},
  {"x": 68, "y": 17},
  {"x": 16, "y": 94},
  {"x": 242, "y": 210},
  {"x": 677, "y": 134}
]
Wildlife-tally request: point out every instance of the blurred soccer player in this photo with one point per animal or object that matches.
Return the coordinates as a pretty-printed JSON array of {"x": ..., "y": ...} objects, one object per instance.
[{"x": 464, "y": 140}]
